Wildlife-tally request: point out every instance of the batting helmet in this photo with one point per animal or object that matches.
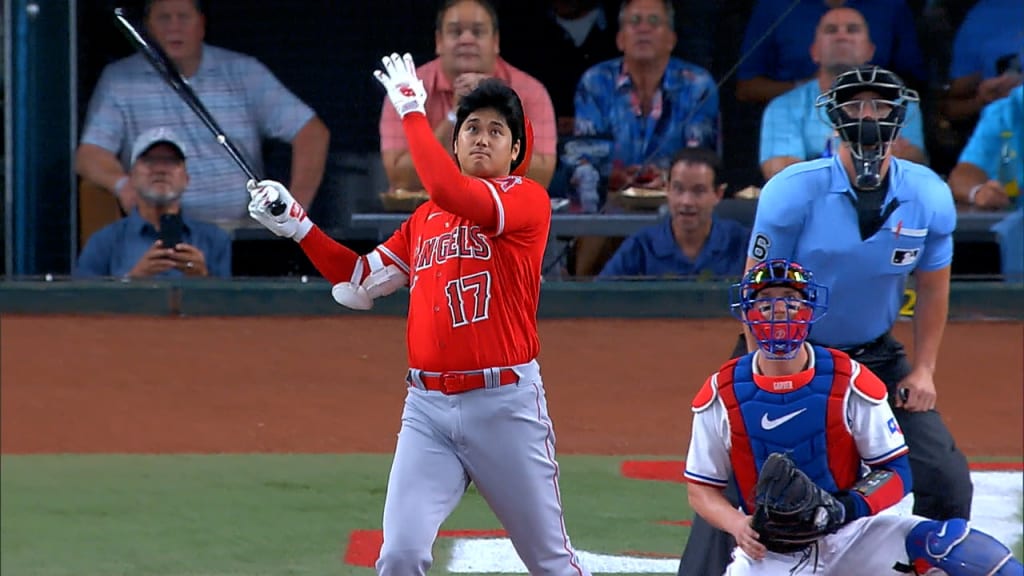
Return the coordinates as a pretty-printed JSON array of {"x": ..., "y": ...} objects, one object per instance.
[{"x": 780, "y": 324}]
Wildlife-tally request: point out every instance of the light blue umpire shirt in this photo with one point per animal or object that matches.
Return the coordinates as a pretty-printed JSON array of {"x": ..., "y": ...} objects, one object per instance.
[{"x": 807, "y": 213}]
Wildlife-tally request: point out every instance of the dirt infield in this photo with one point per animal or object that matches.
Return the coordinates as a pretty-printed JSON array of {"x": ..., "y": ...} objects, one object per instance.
[{"x": 202, "y": 385}]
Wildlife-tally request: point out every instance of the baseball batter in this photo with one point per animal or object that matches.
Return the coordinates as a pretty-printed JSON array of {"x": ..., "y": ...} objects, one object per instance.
[
  {"x": 475, "y": 409},
  {"x": 807, "y": 436}
]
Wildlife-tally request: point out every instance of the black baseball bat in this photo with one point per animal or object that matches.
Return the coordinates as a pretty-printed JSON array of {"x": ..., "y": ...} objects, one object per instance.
[{"x": 168, "y": 71}]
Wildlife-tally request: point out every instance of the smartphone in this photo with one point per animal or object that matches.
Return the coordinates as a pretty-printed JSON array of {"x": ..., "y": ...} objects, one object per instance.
[
  {"x": 1008, "y": 63},
  {"x": 170, "y": 230}
]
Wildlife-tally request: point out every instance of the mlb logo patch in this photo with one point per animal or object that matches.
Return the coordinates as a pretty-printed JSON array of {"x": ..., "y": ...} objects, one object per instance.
[
  {"x": 894, "y": 428},
  {"x": 902, "y": 257}
]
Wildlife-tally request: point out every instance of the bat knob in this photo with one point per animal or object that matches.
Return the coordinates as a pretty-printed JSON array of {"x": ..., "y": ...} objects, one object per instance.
[{"x": 277, "y": 207}]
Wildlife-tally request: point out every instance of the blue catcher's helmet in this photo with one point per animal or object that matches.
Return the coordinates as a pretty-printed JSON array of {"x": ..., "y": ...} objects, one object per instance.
[{"x": 780, "y": 323}]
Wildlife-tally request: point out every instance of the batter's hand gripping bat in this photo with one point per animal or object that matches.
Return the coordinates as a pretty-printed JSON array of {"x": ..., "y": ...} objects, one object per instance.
[{"x": 165, "y": 67}]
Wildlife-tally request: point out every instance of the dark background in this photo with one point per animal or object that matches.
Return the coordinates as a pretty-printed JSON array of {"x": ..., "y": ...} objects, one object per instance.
[{"x": 325, "y": 51}]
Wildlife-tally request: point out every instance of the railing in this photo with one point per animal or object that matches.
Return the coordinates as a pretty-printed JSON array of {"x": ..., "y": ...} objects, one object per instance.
[{"x": 312, "y": 297}]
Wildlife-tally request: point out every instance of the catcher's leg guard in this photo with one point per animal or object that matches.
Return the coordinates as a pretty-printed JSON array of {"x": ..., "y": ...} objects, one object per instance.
[{"x": 956, "y": 549}]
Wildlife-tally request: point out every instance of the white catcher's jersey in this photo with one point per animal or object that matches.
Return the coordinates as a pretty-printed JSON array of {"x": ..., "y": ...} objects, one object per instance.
[
  {"x": 869, "y": 420},
  {"x": 871, "y": 545}
]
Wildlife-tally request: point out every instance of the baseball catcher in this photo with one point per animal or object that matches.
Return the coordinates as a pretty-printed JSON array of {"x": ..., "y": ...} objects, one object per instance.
[{"x": 807, "y": 436}]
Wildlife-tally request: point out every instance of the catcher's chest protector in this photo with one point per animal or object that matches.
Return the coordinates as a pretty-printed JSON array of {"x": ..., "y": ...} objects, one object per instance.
[{"x": 806, "y": 423}]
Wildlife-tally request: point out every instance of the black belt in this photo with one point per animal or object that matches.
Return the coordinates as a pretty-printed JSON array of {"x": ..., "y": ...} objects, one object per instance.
[{"x": 859, "y": 349}]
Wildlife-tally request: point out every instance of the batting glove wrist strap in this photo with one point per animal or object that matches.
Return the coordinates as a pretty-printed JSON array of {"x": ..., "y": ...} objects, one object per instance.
[{"x": 293, "y": 223}]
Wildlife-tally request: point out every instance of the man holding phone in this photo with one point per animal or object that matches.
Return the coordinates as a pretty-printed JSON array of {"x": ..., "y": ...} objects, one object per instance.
[{"x": 155, "y": 240}]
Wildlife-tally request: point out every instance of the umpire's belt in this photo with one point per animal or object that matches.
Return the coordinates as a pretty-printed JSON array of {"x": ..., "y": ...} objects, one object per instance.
[
  {"x": 458, "y": 382},
  {"x": 861, "y": 349}
]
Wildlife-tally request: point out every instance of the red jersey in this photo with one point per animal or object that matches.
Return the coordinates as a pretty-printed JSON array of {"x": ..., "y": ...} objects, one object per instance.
[{"x": 473, "y": 254}]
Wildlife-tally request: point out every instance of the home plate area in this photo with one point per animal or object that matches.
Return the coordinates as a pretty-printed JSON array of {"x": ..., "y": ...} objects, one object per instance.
[{"x": 998, "y": 496}]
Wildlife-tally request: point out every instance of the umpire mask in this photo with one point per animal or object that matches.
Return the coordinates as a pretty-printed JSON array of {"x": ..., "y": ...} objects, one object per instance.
[{"x": 867, "y": 106}]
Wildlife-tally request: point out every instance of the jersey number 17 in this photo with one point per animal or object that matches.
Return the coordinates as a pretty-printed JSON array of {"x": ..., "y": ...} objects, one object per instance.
[{"x": 469, "y": 298}]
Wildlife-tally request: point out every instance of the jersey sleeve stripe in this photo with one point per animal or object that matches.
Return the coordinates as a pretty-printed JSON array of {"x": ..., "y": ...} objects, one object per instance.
[
  {"x": 398, "y": 261},
  {"x": 699, "y": 479},
  {"x": 497, "y": 204},
  {"x": 890, "y": 455}
]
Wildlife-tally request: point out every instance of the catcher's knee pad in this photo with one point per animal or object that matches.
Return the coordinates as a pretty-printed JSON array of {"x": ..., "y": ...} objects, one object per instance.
[{"x": 954, "y": 548}]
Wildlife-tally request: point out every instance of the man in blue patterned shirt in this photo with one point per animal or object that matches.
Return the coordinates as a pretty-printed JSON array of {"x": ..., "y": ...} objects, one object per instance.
[
  {"x": 648, "y": 102},
  {"x": 245, "y": 98}
]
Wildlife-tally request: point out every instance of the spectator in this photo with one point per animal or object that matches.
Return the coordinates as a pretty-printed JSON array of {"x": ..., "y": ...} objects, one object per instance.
[
  {"x": 566, "y": 38},
  {"x": 647, "y": 101},
  {"x": 133, "y": 247},
  {"x": 691, "y": 241},
  {"x": 986, "y": 62},
  {"x": 792, "y": 130},
  {"x": 467, "y": 41},
  {"x": 780, "y": 62},
  {"x": 991, "y": 168},
  {"x": 244, "y": 97}
]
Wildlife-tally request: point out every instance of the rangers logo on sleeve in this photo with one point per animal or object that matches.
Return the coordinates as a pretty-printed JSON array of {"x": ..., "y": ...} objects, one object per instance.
[{"x": 894, "y": 427}]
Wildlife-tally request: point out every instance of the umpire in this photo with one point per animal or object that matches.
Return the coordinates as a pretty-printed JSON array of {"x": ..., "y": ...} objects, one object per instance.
[{"x": 864, "y": 222}]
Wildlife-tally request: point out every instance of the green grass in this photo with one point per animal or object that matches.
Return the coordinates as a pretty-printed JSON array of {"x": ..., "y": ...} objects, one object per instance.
[
  {"x": 267, "y": 515},
  {"x": 280, "y": 515}
]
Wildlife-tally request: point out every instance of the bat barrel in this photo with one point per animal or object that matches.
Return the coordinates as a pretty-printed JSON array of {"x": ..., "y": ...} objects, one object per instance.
[{"x": 170, "y": 75}]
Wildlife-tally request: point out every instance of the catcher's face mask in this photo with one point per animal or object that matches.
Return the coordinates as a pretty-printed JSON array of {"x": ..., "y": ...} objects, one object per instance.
[
  {"x": 867, "y": 106},
  {"x": 779, "y": 301}
]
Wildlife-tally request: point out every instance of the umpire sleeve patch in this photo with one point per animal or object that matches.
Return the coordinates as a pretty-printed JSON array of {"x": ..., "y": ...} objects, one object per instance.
[{"x": 759, "y": 247}]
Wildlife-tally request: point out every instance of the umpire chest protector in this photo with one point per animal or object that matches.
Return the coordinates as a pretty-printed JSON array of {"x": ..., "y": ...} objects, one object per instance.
[{"x": 803, "y": 417}]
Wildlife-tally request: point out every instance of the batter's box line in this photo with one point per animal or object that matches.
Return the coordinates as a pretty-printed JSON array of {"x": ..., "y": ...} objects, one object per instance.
[
  {"x": 364, "y": 545},
  {"x": 672, "y": 470}
]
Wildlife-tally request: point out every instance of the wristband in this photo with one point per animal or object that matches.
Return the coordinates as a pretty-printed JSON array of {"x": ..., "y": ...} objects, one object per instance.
[
  {"x": 119, "y": 185},
  {"x": 973, "y": 193},
  {"x": 452, "y": 117}
]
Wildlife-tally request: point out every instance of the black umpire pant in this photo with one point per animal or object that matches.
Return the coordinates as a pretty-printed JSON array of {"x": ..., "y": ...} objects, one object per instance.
[{"x": 942, "y": 481}]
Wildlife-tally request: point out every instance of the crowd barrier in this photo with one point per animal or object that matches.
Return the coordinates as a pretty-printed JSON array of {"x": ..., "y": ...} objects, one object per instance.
[{"x": 311, "y": 297}]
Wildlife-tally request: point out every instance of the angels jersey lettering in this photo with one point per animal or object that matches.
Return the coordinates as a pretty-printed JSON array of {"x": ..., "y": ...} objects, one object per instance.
[{"x": 474, "y": 292}]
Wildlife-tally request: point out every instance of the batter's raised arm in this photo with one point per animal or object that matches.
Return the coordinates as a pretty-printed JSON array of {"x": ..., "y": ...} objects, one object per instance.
[{"x": 449, "y": 188}]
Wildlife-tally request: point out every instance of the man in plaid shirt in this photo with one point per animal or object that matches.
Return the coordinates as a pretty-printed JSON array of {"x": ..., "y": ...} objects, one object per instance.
[{"x": 245, "y": 98}]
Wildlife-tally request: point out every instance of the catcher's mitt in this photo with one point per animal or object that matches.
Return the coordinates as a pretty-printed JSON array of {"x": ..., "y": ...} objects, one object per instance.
[{"x": 791, "y": 510}]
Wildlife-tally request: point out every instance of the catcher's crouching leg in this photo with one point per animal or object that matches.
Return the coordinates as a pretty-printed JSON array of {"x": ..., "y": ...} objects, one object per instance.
[{"x": 956, "y": 549}]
